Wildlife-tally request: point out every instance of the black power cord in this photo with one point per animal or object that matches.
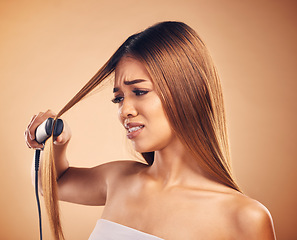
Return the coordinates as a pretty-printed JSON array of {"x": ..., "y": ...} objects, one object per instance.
[
  {"x": 37, "y": 158},
  {"x": 42, "y": 133}
]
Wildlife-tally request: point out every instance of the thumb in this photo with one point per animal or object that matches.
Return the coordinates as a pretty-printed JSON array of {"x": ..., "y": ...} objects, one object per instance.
[{"x": 59, "y": 140}]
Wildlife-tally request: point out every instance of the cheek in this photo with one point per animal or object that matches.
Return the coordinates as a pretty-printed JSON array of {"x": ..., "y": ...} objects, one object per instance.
[
  {"x": 158, "y": 121},
  {"x": 154, "y": 111},
  {"x": 119, "y": 112},
  {"x": 158, "y": 133}
]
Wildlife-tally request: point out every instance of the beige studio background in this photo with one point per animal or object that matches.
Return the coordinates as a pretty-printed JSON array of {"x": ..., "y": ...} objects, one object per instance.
[{"x": 50, "y": 48}]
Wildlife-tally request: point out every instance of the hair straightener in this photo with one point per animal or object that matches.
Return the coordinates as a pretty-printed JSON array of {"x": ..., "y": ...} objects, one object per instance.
[{"x": 42, "y": 133}]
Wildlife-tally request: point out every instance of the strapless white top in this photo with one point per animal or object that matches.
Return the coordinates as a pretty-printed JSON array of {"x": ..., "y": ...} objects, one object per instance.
[{"x": 107, "y": 230}]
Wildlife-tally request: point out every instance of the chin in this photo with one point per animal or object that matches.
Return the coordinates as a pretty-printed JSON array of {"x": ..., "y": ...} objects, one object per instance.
[
  {"x": 140, "y": 149},
  {"x": 143, "y": 148}
]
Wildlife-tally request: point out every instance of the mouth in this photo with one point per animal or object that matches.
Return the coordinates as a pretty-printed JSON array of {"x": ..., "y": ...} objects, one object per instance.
[{"x": 133, "y": 129}]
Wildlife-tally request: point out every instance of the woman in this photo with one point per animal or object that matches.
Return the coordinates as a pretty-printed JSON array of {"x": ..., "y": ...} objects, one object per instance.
[{"x": 170, "y": 101}]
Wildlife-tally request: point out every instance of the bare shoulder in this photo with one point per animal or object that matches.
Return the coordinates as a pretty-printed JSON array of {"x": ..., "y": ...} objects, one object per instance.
[
  {"x": 251, "y": 219},
  {"x": 117, "y": 170},
  {"x": 125, "y": 166}
]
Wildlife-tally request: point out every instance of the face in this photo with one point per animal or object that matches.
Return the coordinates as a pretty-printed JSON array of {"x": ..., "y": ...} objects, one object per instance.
[{"x": 140, "y": 109}]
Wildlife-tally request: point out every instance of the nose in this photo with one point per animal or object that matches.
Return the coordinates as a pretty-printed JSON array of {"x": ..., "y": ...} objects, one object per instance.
[{"x": 127, "y": 110}]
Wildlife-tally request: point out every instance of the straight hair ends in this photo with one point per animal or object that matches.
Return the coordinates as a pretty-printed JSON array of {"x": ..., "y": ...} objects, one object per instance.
[
  {"x": 187, "y": 83},
  {"x": 49, "y": 176},
  {"x": 50, "y": 192}
]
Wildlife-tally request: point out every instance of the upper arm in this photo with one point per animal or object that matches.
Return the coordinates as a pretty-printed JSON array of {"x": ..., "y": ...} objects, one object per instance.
[
  {"x": 89, "y": 186},
  {"x": 255, "y": 222}
]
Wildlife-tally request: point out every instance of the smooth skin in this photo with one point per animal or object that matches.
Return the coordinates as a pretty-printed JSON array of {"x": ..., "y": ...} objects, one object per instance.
[{"x": 173, "y": 199}]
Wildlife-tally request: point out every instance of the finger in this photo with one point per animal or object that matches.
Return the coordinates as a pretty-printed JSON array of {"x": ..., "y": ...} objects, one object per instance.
[
  {"x": 32, "y": 136},
  {"x": 31, "y": 120},
  {"x": 62, "y": 138},
  {"x": 31, "y": 143},
  {"x": 59, "y": 139},
  {"x": 40, "y": 118},
  {"x": 27, "y": 135},
  {"x": 65, "y": 136},
  {"x": 28, "y": 145}
]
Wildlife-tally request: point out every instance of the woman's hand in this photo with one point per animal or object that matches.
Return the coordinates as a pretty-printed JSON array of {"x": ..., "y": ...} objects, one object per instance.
[{"x": 36, "y": 120}]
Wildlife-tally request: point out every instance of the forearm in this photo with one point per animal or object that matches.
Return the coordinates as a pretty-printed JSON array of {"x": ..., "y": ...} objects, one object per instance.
[
  {"x": 60, "y": 159},
  {"x": 59, "y": 146},
  {"x": 61, "y": 164}
]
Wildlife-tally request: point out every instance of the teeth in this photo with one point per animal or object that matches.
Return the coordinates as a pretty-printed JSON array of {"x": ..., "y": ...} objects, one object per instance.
[{"x": 133, "y": 129}]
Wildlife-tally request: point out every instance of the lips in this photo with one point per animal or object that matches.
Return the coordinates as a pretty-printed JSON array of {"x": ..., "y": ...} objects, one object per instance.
[{"x": 133, "y": 129}]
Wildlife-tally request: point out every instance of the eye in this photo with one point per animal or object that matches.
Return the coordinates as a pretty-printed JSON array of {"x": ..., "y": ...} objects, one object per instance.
[
  {"x": 140, "y": 92},
  {"x": 117, "y": 99}
]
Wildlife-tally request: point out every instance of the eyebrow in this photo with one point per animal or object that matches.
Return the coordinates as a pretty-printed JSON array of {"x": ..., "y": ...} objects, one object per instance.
[{"x": 129, "y": 83}]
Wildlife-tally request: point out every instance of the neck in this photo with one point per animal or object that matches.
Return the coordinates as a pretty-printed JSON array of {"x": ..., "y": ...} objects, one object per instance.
[{"x": 174, "y": 166}]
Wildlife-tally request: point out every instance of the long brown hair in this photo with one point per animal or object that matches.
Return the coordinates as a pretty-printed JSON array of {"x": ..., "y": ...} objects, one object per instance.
[{"x": 188, "y": 85}]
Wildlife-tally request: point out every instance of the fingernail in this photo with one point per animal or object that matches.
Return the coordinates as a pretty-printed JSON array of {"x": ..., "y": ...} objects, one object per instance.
[{"x": 31, "y": 137}]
